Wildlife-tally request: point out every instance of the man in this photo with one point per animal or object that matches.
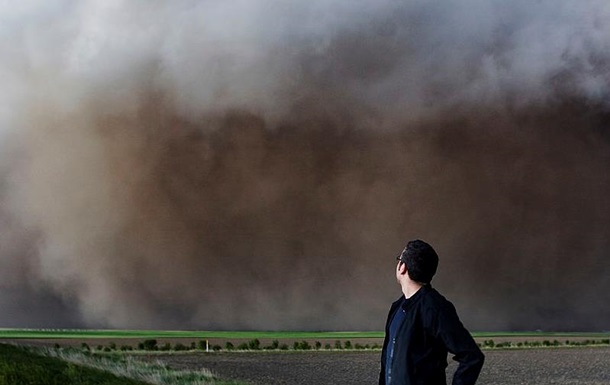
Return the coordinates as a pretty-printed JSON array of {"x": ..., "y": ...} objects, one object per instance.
[{"x": 423, "y": 326}]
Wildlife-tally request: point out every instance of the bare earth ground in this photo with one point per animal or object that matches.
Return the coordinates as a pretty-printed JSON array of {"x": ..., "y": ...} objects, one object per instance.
[{"x": 566, "y": 366}]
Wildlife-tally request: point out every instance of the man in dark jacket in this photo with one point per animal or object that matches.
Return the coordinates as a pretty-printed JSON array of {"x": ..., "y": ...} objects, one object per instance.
[{"x": 423, "y": 326}]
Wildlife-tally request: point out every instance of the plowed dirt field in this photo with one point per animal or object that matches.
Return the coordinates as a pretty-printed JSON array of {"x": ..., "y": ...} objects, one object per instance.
[{"x": 565, "y": 366}]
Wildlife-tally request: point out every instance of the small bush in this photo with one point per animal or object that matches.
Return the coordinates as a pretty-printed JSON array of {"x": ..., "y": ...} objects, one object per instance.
[
  {"x": 318, "y": 345},
  {"x": 338, "y": 345},
  {"x": 216, "y": 348},
  {"x": 254, "y": 344},
  {"x": 283, "y": 347},
  {"x": 243, "y": 346},
  {"x": 180, "y": 347},
  {"x": 229, "y": 346},
  {"x": 327, "y": 347},
  {"x": 150, "y": 345},
  {"x": 348, "y": 345},
  {"x": 166, "y": 347},
  {"x": 303, "y": 345}
]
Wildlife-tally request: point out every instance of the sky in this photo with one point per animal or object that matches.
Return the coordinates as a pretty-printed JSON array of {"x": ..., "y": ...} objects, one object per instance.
[{"x": 259, "y": 164}]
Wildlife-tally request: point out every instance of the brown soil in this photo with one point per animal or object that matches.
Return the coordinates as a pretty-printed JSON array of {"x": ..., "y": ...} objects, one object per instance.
[{"x": 566, "y": 366}]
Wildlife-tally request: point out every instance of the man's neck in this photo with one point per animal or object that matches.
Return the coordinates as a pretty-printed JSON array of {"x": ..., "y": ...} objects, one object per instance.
[{"x": 410, "y": 288}]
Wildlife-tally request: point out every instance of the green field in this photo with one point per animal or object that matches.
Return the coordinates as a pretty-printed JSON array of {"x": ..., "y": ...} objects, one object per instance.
[
  {"x": 107, "y": 333},
  {"x": 292, "y": 335}
]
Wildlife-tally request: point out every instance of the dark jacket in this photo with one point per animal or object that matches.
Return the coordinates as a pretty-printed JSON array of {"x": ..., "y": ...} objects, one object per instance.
[{"x": 431, "y": 328}]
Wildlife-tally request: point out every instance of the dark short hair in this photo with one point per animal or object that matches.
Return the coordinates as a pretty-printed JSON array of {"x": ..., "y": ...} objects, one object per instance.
[{"x": 421, "y": 260}]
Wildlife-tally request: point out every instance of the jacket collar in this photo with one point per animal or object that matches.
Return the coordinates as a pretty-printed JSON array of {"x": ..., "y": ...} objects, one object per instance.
[{"x": 406, "y": 302}]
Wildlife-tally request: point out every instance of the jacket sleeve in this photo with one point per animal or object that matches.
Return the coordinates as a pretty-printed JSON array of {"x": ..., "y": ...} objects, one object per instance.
[
  {"x": 382, "y": 371},
  {"x": 383, "y": 358},
  {"x": 460, "y": 343},
  {"x": 385, "y": 344}
]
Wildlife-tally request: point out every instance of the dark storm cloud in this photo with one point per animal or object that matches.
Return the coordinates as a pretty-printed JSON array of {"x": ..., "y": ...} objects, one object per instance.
[{"x": 258, "y": 165}]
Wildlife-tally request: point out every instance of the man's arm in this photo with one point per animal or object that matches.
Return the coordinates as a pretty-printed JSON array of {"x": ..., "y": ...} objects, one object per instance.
[
  {"x": 383, "y": 353},
  {"x": 461, "y": 344},
  {"x": 385, "y": 341},
  {"x": 382, "y": 371}
]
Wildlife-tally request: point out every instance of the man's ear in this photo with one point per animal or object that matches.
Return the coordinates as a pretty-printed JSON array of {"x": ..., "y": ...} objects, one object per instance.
[{"x": 402, "y": 268}]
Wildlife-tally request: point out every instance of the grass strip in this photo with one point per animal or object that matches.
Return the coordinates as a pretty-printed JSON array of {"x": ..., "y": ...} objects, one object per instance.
[
  {"x": 128, "y": 366},
  {"x": 22, "y": 366},
  {"x": 53, "y": 366}
]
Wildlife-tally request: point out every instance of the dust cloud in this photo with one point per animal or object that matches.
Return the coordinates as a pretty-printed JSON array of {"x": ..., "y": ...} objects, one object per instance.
[{"x": 258, "y": 165}]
